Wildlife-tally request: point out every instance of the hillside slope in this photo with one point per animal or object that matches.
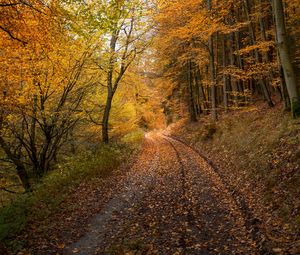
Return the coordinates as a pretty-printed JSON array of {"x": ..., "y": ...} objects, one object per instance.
[{"x": 257, "y": 152}]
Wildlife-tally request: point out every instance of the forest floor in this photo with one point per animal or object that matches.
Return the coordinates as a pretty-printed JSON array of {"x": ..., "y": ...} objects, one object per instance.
[
  {"x": 171, "y": 201},
  {"x": 196, "y": 188},
  {"x": 256, "y": 152}
]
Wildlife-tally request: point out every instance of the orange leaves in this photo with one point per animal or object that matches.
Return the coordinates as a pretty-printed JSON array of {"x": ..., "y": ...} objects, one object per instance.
[
  {"x": 21, "y": 64},
  {"x": 262, "y": 46},
  {"x": 183, "y": 31},
  {"x": 22, "y": 22}
]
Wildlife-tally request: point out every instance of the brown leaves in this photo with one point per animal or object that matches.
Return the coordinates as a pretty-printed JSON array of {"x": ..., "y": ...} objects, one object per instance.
[
  {"x": 170, "y": 204},
  {"x": 256, "y": 154},
  {"x": 61, "y": 246},
  {"x": 76, "y": 250}
]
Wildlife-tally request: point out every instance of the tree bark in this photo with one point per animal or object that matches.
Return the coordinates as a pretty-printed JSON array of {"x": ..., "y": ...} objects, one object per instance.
[
  {"x": 105, "y": 135},
  {"x": 193, "y": 114},
  {"x": 234, "y": 82},
  {"x": 225, "y": 78},
  {"x": 261, "y": 82},
  {"x": 21, "y": 171},
  {"x": 212, "y": 72},
  {"x": 285, "y": 59},
  {"x": 105, "y": 118}
]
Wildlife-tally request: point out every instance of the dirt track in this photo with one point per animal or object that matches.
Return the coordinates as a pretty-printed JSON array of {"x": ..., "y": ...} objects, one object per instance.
[{"x": 172, "y": 202}]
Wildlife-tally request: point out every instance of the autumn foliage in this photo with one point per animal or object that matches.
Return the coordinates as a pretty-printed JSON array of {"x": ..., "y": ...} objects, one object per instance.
[
  {"x": 63, "y": 80},
  {"x": 221, "y": 55},
  {"x": 78, "y": 75}
]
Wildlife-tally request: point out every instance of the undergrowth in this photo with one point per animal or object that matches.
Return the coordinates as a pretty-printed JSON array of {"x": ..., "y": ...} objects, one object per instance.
[{"x": 59, "y": 184}]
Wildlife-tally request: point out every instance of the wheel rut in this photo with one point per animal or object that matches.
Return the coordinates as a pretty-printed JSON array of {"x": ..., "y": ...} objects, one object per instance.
[
  {"x": 171, "y": 203},
  {"x": 251, "y": 222}
]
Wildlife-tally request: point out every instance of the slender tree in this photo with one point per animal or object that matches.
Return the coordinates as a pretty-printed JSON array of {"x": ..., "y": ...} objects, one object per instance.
[{"x": 285, "y": 58}]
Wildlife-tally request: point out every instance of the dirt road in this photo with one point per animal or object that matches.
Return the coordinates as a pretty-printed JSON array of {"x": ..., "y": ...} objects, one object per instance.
[{"x": 172, "y": 202}]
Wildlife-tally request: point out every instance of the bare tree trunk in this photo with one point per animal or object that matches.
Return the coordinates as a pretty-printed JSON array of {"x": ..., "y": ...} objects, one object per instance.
[
  {"x": 284, "y": 92},
  {"x": 213, "y": 81},
  {"x": 285, "y": 59},
  {"x": 193, "y": 114},
  {"x": 212, "y": 72},
  {"x": 234, "y": 90},
  {"x": 116, "y": 70},
  {"x": 105, "y": 118},
  {"x": 225, "y": 78},
  {"x": 261, "y": 82},
  {"x": 21, "y": 171},
  {"x": 201, "y": 91},
  {"x": 105, "y": 136}
]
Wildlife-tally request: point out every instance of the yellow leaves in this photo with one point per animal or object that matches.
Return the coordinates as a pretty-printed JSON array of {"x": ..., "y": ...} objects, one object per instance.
[
  {"x": 188, "y": 20},
  {"x": 253, "y": 71},
  {"x": 262, "y": 46},
  {"x": 21, "y": 100}
]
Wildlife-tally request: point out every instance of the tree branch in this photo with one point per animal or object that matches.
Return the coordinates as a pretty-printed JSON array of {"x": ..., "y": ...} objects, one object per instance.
[{"x": 12, "y": 36}]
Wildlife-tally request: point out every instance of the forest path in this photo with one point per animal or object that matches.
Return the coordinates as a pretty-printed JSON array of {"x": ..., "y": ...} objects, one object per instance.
[{"x": 172, "y": 202}]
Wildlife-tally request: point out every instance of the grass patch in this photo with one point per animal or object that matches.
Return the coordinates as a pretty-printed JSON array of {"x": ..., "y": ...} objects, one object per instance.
[{"x": 134, "y": 139}]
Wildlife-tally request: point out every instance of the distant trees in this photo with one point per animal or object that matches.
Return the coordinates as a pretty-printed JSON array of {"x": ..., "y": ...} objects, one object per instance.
[
  {"x": 233, "y": 48},
  {"x": 126, "y": 41},
  {"x": 120, "y": 31}
]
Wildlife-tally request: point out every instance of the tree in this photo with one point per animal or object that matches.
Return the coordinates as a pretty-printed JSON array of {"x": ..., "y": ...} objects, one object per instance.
[
  {"x": 231, "y": 45},
  {"x": 127, "y": 38},
  {"x": 41, "y": 94},
  {"x": 14, "y": 14},
  {"x": 212, "y": 69},
  {"x": 285, "y": 59}
]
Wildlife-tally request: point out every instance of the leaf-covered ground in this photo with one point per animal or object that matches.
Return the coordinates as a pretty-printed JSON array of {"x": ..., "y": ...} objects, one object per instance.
[
  {"x": 256, "y": 151},
  {"x": 169, "y": 201}
]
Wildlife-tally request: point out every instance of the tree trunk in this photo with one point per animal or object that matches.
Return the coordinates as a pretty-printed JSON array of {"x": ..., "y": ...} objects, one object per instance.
[
  {"x": 21, "y": 171},
  {"x": 285, "y": 59},
  {"x": 234, "y": 90},
  {"x": 105, "y": 119},
  {"x": 261, "y": 82},
  {"x": 212, "y": 72},
  {"x": 110, "y": 94},
  {"x": 213, "y": 80},
  {"x": 23, "y": 177},
  {"x": 193, "y": 114},
  {"x": 225, "y": 78}
]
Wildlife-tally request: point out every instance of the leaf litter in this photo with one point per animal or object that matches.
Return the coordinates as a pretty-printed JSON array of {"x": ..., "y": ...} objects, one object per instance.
[{"x": 170, "y": 201}]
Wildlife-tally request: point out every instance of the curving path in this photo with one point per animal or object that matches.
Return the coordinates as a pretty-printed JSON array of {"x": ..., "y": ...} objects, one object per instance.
[{"x": 172, "y": 202}]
